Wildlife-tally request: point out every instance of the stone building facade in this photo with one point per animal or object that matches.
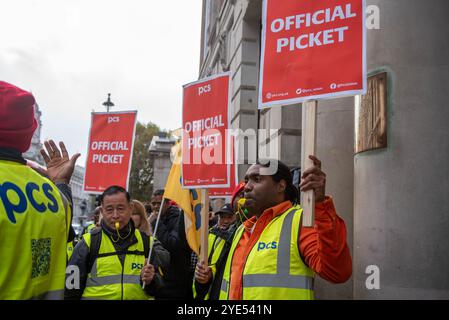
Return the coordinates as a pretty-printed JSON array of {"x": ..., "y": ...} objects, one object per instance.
[
  {"x": 160, "y": 149},
  {"x": 83, "y": 203},
  {"x": 33, "y": 153}
]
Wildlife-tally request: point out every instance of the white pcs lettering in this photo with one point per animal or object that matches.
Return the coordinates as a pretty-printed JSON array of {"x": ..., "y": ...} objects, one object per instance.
[
  {"x": 113, "y": 119},
  {"x": 204, "y": 89}
]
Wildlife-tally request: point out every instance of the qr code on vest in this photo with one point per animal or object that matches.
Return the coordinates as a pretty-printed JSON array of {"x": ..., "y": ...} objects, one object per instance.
[{"x": 41, "y": 252}]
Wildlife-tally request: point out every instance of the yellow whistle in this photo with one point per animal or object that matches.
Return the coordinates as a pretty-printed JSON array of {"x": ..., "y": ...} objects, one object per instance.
[
  {"x": 117, "y": 225},
  {"x": 241, "y": 203}
]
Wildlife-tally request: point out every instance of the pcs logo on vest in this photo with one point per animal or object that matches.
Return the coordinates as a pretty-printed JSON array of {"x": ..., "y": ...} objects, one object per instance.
[
  {"x": 138, "y": 266},
  {"x": 267, "y": 246},
  {"x": 15, "y": 200}
]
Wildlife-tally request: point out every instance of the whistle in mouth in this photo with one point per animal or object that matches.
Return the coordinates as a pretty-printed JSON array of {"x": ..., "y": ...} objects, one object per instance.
[
  {"x": 117, "y": 225},
  {"x": 241, "y": 203}
]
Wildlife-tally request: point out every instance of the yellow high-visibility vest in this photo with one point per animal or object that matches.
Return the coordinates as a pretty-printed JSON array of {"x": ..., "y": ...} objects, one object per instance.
[
  {"x": 215, "y": 247},
  {"x": 274, "y": 269},
  {"x": 69, "y": 250},
  {"x": 34, "y": 224},
  {"x": 90, "y": 227},
  {"x": 108, "y": 279}
]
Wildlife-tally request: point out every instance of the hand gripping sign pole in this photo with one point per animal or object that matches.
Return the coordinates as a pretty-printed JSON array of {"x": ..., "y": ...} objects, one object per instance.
[
  {"x": 154, "y": 234},
  {"x": 309, "y": 109},
  {"x": 204, "y": 224}
]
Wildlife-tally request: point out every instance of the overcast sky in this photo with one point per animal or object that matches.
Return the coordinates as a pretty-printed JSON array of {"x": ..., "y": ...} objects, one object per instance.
[{"x": 71, "y": 53}]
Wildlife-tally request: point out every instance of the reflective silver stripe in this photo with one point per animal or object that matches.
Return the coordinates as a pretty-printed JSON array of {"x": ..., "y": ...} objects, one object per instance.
[
  {"x": 283, "y": 266},
  {"x": 93, "y": 271},
  {"x": 50, "y": 295},
  {"x": 133, "y": 279},
  {"x": 224, "y": 285},
  {"x": 276, "y": 281},
  {"x": 108, "y": 280}
]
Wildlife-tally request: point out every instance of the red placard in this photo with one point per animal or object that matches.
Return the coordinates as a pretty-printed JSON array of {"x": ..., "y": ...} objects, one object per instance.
[
  {"x": 227, "y": 192},
  {"x": 111, "y": 141},
  {"x": 312, "y": 50},
  {"x": 205, "y": 121}
]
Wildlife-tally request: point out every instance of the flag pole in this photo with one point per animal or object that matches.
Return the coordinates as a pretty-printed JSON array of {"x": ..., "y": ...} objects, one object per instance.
[
  {"x": 204, "y": 224},
  {"x": 154, "y": 234}
]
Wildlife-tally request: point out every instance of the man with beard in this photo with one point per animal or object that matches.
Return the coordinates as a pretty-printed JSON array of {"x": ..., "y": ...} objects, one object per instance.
[{"x": 272, "y": 255}]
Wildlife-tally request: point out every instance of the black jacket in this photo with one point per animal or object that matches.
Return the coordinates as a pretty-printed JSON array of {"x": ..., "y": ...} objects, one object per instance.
[
  {"x": 171, "y": 233},
  {"x": 82, "y": 259}
]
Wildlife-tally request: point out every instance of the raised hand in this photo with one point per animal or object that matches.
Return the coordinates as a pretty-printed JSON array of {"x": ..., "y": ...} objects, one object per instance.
[{"x": 59, "y": 166}]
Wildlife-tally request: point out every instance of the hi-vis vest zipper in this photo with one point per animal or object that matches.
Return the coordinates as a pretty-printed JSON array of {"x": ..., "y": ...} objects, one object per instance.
[
  {"x": 109, "y": 279},
  {"x": 274, "y": 269},
  {"x": 33, "y": 234}
]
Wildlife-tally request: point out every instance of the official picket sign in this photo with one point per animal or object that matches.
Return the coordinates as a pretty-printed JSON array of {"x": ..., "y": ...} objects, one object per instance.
[
  {"x": 205, "y": 120},
  {"x": 109, "y": 152},
  {"x": 233, "y": 177},
  {"x": 312, "y": 50}
]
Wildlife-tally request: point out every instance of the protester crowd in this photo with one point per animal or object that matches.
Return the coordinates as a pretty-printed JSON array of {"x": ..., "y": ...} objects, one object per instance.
[{"x": 257, "y": 245}]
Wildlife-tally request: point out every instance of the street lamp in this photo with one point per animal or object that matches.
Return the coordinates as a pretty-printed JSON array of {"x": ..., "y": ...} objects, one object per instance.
[{"x": 108, "y": 104}]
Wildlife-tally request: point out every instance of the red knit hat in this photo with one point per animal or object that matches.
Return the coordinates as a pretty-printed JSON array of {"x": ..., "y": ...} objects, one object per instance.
[
  {"x": 17, "y": 122},
  {"x": 238, "y": 188}
]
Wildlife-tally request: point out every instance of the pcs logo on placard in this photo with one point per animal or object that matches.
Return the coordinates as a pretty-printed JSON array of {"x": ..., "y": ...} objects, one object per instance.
[
  {"x": 204, "y": 89},
  {"x": 113, "y": 119}
]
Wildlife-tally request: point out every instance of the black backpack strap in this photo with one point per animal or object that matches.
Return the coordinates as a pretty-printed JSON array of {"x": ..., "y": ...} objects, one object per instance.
[
  {"x": 146, "y": 244},
  {"x": 95, "y": 242}
]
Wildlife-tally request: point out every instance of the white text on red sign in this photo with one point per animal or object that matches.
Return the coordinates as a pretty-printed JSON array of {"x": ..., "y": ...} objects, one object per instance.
[
  {"x": 204, "y": 89},
  {"x": 320, "y": 38}
]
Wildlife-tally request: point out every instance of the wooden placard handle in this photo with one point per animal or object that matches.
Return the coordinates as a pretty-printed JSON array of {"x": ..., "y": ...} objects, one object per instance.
[
  {"x": 309, "y": 111},
  {"x": 204, "y": 224}
]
